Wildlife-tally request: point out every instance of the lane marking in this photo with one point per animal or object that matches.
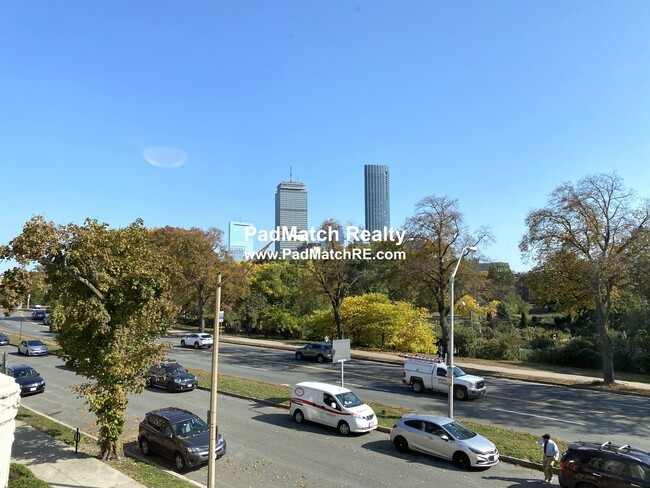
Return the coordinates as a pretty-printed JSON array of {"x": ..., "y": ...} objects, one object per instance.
[
  {"x": 539, "y": 416},
  {"x": 252, "y": 367}
]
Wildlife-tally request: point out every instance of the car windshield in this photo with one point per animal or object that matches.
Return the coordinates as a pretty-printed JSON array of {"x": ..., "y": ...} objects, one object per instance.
[
  {"x": 190, "y": 427},
  {"x": 458, "y": 372},
  {"x": 176, "y": 370},
  {"x": 349, "y": 399},
  {"x": 459, "y": 431},
  {"x": 205, "y": 336},
  {"x": 35, "y": 343},
  {"x": 25, "y": 373}
]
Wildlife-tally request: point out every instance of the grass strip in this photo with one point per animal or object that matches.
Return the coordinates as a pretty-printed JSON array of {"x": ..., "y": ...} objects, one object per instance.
[
  {"x": 22, "y": 477},
  {"x": 512, "y": 443}
]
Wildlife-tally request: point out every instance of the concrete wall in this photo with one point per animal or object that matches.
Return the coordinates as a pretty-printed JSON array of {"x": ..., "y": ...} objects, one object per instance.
[{"x": 9, "y": 402}]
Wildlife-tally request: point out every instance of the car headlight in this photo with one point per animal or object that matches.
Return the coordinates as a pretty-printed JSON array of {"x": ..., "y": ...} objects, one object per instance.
[
  {"x": 193, "y": 449},
  {"x": 477, "y": 451},
  {"x": 177, "y": 380}
]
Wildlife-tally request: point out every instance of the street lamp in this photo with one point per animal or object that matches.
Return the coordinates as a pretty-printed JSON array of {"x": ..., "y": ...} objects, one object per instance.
[{"x": 450, "y": 355}]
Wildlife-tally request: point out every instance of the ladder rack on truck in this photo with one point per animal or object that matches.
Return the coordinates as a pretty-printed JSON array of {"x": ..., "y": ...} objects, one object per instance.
[{"x": 420, "y": 357}]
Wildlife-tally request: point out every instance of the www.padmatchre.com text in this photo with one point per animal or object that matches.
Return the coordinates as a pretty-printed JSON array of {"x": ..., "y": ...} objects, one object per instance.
[{"x": 318, "y": 253}]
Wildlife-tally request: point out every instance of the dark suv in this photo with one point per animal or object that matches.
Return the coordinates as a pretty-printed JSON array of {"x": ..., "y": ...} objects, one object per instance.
[
  {"x": 320, "y": 351},
  {"x": 178, "y": 435},
  {"x": 171, "y": 375},
  {"x": 593, "y": 465}
]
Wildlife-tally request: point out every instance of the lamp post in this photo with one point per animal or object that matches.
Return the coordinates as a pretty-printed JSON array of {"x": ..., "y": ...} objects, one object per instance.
[{"x": 450, "y": 355}]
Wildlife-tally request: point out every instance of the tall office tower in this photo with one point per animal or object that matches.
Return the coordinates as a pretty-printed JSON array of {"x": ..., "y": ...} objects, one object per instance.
[
  {"x": 290, "y": 211},
  {"x": 238, "y": 245},
  {"x": 377, "y": 196}
]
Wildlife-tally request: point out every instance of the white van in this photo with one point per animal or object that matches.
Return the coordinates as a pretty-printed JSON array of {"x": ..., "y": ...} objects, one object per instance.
[{"x": 331, "y": 405}]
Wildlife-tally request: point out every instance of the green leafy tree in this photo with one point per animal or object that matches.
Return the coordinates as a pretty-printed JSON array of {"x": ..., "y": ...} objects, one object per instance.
[
  {"x": 597, "y": 223},
  {"x": 334, "y": 276},
  {"x": 111, "y": 299},
  {"x": 195, "y": 256}
]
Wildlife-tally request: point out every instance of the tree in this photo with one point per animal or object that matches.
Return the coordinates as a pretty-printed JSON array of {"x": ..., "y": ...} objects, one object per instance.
[
  {"x": 195, "y": 256},
  {"x": 110, "y": 294},
  {"x": 596, "y": 223},
  {"x": 334, "y": 274},
  {"x": 437, "y": 235}
]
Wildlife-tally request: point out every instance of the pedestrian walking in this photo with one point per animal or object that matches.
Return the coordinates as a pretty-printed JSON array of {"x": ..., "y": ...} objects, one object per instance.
[{"x": 551, "y": 453}]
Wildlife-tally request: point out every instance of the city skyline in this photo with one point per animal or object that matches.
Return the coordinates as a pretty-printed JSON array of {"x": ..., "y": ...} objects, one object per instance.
[{"x": 182, "y": 114}]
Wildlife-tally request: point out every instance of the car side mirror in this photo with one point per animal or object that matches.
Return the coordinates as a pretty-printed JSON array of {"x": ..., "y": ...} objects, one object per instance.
[{"x": 444, "y": 437}]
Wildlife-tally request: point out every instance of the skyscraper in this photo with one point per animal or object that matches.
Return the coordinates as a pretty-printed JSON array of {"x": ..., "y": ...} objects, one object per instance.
[
  {"x": 290, "y": 211},
  {"x": 377, "y": 196},
  {"x": 238, "y": 245}
]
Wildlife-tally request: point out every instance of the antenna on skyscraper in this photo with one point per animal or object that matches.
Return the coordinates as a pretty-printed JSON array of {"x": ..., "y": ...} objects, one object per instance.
[{"x": 290, "y": 173}]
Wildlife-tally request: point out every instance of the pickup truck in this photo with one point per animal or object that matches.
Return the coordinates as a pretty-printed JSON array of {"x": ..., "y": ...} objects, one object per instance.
[{"x": 423, "y": 373}]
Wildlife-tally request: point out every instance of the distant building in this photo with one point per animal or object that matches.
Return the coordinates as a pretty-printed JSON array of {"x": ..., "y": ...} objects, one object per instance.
[
  {"x": 290, "y": 211},
  {"x": 238, "y": 246},
  {"x": 377, "y": 196}
]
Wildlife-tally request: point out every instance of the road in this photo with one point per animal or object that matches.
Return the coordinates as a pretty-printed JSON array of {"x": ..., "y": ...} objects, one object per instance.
[
  {"x": 267, "y": 448},
  {"x": 567, "y": 413}
]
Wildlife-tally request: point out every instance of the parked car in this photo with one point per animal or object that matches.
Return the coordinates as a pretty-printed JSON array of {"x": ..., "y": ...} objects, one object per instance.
[
  {"x": 178, "y": 435},
  {"x": 172, "y": 376},
  {"x": 445, "y": 438},
  {"x": 4, "y": 340},
  {"x": 29, "y": 380},
  {"x": 320, "y": 351},
  {"x": 331, "y": 405},
  {"x": 594, "y": 465},
  {"x": 33, "y": 347},
  {"x": 197, "y": 340},
  {"x": 38, "y": 314}
]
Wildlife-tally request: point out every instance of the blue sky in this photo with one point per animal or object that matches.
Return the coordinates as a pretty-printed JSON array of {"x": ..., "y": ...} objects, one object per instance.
[{"x": 491, "y": 103}]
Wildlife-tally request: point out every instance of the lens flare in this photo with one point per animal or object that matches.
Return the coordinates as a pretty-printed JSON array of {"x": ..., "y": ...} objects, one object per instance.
[{"x": 164, "y": 157}]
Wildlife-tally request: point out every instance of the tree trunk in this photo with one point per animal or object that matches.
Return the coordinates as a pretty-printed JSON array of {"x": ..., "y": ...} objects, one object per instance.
[
  {"x": 111, "y": 449},
  {"x": 338, "y": 319},
  {"x": 606, "y": 349},
  {"x": 201, "y": 310}
]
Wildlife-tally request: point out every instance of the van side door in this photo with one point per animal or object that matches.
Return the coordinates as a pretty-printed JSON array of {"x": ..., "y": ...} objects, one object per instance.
[{"x": 330, "y": 410}]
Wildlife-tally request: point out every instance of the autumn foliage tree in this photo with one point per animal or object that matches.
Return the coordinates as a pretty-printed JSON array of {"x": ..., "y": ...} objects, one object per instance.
[
  {"x": 596, "y": 227},
  {"x": 110, "y": 296}
]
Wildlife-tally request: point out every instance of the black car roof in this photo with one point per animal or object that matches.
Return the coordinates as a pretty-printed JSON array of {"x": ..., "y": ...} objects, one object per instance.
[
  {"x": 622, "y": 450},
  {"x": 173, "y": 414},
  {"x": 18, "y": 367}
]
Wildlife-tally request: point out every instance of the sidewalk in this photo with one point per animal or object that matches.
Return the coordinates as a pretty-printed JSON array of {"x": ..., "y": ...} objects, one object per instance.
[
  {"x": 56, "y": 464},
  {"x": 514, "y": 373}
]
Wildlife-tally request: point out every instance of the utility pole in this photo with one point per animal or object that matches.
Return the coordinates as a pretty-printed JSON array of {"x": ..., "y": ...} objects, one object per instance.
[{"x": 214, "y": 428}]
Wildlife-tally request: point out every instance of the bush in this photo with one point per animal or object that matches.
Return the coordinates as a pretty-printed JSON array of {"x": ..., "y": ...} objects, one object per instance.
[
  {"x": 465, "y": 340},
  {"x": 22, "y": 477},
  {"x": 579, "y": 352},
  {"x": 505, "y": 347}
]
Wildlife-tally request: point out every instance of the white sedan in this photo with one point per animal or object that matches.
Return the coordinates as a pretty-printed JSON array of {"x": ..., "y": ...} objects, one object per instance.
[
  {"x": 197, "y": 340},
  {"x": 445, "y": 438}
]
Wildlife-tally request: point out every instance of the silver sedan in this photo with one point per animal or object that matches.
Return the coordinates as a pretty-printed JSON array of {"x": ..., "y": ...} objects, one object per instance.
[{"x": 33, "y": 347}]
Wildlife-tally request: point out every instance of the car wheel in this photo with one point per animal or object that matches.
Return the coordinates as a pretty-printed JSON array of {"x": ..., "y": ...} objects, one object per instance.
[
  {"x": 344, "y": 428},
  {"x": 320, "y": 358},
  {"x": 179, "y": 462},
  {"x": 461, "y": 460},
  {"x": 460, "y": 393},
  {"x": 182, "y": 343},
  {"x": 298, "y": 416},
  {"x": 417, "y": 386},
  {"x": 170, "y": 387},
  {"x": 144, "y": 447},
  {"x": 298, "y": 356},
  {"x": 401, "y": 444},
  {"x": 196, "y": 345}
]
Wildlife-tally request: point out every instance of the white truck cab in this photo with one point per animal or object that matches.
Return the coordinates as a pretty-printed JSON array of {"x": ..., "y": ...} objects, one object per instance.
[
  {"x": 331, "y": 405},
  {"x": 426, "y": 373}
]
